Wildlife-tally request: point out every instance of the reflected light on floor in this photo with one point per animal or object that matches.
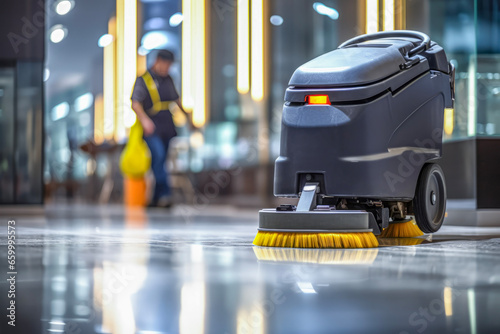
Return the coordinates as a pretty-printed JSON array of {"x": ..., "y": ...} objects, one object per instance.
[
  {"x": 448, "y": 301},
  {"x": 306, "y": 287},
  {"x": 193, "y": 296},
  {"x": 192, "y": 315},
  {"x": 136, "y": 218},
  {"x": 471, "y": 297},
  {"x": 249, "y": 322},
  {"x": 116, "y": 282}
]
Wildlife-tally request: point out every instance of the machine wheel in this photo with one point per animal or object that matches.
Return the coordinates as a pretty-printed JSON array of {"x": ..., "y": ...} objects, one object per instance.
[{"x": 429, "y": 204}]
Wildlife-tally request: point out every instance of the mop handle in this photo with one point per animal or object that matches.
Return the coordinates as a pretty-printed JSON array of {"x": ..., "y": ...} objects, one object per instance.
[{"x": 424, "y": 45}]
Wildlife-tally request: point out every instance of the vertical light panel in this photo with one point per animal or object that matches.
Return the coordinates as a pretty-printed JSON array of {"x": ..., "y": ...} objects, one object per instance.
[
  {"x": 199, "y": 77},
  {"x": 400, "y": 14},
  {"x": 471, "y": 116},
  {"x": 448, "y": 301},
  {"x": 388, "y": 15},
  {"x": 471, "y": 299},
  {"x": 257, "y": 51},
  {"x": 109, "y": 76},
  {"x": 194, "y": 69},
  {"x": 371, "y": 16},
  {"x": 243, "y": 46},
  {"x": 129, "y": 59},
  {"x": 126, "y": 37},
  {"x": 361, "y": 17},
  {"x": 99, "y": 119},
  {"x": 119, "y": 131},
  {"x": 187, "y": 55}
]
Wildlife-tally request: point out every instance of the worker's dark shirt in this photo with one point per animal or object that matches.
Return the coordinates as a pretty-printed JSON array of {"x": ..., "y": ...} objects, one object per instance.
[{"x": 163, "y": 120}]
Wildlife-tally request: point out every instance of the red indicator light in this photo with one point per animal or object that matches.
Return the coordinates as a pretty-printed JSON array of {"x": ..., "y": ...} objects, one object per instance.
[{"x": 318, "y": 99}]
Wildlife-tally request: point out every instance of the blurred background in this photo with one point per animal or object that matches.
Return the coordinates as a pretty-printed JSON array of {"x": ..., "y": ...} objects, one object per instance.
[
  {"x": 68, "y": 66},
  {"x": 88, "y": 264}
]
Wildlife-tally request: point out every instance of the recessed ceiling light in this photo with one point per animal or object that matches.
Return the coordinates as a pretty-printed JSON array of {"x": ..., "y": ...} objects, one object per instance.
[
  {"x": 154, "y": 40},
  {"x": 105, "y": 40},
  {"x": 276, "y": 20},
  {"x": 63, "y": 7},
  {"x": 175, "y": 19},
  {"x": 60, "y": 111},
  {"x": 84, "y": 102},
  {"x": 57, "y": 33},
  {"x": 322, "y": 9}
]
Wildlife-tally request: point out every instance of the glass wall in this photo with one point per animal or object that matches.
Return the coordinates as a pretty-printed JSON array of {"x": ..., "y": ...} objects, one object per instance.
[
  {"x": 300, "y": 33},
  {"x": 29, "y": 132},
  {"x": 7, "y": 134},
  {"x": 73, "y": 78},
  {"x": 469, "y": 31},
  {"x": 488, "y": 68},
  {"x": 21, "y": 122},
  {"x": 21, "y": 102},
  {"x": 229, "y": 132}
]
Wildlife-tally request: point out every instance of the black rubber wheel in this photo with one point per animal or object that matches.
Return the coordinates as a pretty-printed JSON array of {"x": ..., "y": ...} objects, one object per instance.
[{"x": 429, "y": 204}]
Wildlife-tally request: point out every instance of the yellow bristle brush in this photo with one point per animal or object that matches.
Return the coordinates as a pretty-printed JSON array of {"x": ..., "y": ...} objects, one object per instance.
[
  {"x": 316, "y": 240},
  {"x": 403, "y": 229}
]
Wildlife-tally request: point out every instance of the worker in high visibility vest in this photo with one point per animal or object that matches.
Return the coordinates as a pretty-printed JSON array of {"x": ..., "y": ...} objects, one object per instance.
[{"x": 152, "y": 94}]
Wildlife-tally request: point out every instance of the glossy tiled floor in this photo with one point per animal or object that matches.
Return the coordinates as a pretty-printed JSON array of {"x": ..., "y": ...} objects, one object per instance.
[{"x": 104, "y": 270}]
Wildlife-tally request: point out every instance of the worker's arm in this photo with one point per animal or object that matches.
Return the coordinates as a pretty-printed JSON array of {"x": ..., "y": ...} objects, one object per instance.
[
  {"x": 147, "y": 124},
  {"x": 188, "y": 116}
]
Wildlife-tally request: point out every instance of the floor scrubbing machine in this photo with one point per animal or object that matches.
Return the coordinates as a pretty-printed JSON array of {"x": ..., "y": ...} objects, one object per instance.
[{"x": 361, "y": 131}]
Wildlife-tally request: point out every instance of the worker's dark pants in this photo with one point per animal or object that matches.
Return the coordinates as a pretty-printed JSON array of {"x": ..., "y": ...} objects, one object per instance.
[{"x": 159, "y": 153}]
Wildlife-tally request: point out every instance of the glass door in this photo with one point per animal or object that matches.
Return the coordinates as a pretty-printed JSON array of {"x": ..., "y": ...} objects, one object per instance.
[{"x": 7, "y": 142}]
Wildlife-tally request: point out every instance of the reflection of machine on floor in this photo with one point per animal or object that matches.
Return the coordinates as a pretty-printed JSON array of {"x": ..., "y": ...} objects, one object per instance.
[
  {"x": 361, "y": 130},
  {"x": 317, "y": 256}
]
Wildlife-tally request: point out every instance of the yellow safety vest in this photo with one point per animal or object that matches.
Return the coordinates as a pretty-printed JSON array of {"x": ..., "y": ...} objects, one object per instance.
[{"x": 158, "y": 104}]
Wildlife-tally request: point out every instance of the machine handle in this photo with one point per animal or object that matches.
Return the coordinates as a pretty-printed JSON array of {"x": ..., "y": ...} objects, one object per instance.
[{"x": 424, "y": 45}]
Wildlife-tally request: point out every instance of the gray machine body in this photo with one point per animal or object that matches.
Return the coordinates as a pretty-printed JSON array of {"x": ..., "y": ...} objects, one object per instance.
[
  {"x": 341, "y": 221},
  {"x": 385, "y": 121}
]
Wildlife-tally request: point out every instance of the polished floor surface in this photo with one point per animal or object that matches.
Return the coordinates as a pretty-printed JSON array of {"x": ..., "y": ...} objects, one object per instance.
[{"x": 86, "y": 269}]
